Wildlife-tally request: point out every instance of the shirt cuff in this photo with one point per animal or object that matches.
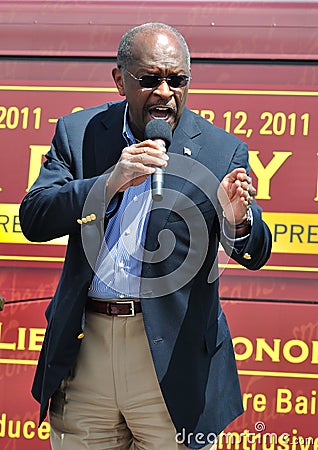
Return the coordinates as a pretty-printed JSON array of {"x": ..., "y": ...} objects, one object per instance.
[{"x": 241, "y": 239}]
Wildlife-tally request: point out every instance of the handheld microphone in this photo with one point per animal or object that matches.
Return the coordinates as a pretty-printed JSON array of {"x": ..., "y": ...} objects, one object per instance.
[{"x": 158, "y": 130}]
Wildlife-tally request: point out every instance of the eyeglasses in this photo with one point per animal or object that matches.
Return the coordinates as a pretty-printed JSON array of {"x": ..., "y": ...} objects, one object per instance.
[{"x": 152, "y": 80}]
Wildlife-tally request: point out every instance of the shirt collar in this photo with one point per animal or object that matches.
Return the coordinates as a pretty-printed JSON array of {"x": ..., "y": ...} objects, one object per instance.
[{"x": 127, "y": 133}]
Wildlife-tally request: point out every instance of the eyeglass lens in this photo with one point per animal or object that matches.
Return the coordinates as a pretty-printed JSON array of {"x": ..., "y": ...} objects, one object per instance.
[{"x": 152, "y": 81}]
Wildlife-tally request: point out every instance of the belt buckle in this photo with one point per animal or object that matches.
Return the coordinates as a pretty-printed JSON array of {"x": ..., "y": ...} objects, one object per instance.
[{"x": 132, "y": 308}]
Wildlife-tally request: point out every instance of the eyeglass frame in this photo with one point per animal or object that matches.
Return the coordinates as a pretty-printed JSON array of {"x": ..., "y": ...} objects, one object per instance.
[{"x": 186, "y": 78}]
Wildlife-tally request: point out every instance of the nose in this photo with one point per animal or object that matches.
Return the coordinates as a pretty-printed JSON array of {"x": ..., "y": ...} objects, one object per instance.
[{"x": 163, "y": 89}]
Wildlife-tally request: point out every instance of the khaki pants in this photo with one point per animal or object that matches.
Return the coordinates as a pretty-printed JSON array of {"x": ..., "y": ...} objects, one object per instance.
[{"x": 113, "y": 401}]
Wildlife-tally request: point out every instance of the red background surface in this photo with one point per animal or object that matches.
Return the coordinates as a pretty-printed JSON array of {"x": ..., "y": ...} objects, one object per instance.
[{"x": 234, "y": 46}]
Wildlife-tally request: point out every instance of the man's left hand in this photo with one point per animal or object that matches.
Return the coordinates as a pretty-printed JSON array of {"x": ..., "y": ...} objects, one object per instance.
[{"x": 235, "y": 195}]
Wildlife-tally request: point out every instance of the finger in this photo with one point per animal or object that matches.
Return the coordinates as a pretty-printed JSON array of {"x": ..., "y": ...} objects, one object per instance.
[
  {"x": 146, "y": 147},
  {"x": 233, "y": 176},
  {"x": 252, "y": 190},
  {"x": 241, "y": 184},
  {"x": 149, "y": 143},
  {"x": 147, "y": 159},
  {"x": 135, "y": 169},
  {"x": 244, "y": 201},
  {"x": 243, "y": 176},
  {"x": 145, "y": 155},
  {"x": 239, "y": 173},
  {"x": 247, "y": 200},
  {"x": 245, "y": 186},
  {"x": 241, "y": 192},
  {"x": 246, "y": 183}
]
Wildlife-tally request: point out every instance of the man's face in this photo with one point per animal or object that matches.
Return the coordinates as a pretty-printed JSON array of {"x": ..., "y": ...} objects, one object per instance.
[{"x": 158, "y": 53}]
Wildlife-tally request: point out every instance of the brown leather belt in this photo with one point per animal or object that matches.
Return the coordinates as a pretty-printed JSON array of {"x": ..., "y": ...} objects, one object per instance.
[{"x": 123, "y": 308}]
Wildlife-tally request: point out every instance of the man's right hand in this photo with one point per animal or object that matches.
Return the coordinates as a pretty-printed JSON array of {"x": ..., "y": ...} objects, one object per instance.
[{"x": 135, "y": 165}]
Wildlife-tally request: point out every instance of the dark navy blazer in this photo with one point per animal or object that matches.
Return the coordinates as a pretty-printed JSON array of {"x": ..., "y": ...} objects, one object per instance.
[{"x": 186, "y": 327}]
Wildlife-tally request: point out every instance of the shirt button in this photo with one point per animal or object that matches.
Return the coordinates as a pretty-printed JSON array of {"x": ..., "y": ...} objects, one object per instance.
[
  {"x": 121, "y": 265},
  {"x": 135, "y": 198},
  {"x": 127, "y": 232},
  {"x": 121, "y": 296}
]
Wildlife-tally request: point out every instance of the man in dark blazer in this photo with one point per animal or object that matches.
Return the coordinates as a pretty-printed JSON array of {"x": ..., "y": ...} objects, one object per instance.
[{"x": 137, "y": 352}]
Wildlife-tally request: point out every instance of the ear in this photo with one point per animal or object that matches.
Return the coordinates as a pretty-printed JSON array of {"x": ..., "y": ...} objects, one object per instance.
[{"x": 118, "y": 78}]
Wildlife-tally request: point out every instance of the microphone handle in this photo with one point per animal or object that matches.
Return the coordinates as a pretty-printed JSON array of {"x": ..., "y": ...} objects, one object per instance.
[
  {"x": 157, "y": 180},
  {"x": 157, "y": 184}
]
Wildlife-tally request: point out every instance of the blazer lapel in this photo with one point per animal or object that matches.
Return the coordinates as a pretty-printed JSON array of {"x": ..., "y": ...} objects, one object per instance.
[
  {"x": 176, "y": 175},
  {"x": 103, "y": 140},
  {"x": 182, "y": 145},
  {"x": 184, "y": 134},
  {"x": 102, "y": 147}
]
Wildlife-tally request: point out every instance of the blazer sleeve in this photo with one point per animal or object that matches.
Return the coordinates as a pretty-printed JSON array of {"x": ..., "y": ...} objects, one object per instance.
[
  {"x": 256, "y": 249},
  {"x": 56, "y": 199}
]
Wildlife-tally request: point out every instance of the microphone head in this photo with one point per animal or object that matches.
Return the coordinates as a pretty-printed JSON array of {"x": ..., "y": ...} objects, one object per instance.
[{"x": 159, "y": 129}]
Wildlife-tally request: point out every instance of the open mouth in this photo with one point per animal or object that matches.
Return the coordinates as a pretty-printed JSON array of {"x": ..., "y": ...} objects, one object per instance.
[{"x": 161, "y": 112}]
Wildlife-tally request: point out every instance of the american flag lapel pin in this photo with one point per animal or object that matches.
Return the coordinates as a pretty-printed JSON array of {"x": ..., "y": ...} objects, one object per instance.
[{"x": 187, "y": 151}]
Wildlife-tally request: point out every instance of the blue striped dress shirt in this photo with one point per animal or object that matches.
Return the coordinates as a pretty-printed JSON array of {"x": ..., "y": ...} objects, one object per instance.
[{"x": 119, "y": 264}]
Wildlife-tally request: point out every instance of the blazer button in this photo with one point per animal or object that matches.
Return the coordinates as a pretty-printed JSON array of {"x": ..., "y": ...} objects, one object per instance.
[
  {"x": 80, "y": 336},
  {"x": 247, "y": 256}
]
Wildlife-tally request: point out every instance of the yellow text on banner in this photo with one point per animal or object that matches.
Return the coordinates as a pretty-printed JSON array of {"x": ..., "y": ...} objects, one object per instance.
[
  {"x": 10, "y": 229},
  {"x": 293, "y": 232}
]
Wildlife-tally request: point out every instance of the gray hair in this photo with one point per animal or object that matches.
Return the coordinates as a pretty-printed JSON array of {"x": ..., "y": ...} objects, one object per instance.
[{"x": 125, "y": 49}]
